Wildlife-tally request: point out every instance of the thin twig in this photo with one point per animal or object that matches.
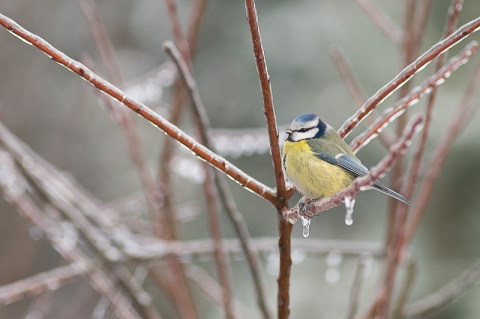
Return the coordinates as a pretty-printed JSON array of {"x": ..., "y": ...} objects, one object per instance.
[
  {"x": 48, "y": 280},
  {"x": 68, "y": 248},
  {"x": 446, "y": 294},
  {"x": 81, "y": 212},
  {"x": 155, "y": 249},
  {"x": 213, "y": 290},
  {"x": 413, "y": 97},
  {"x": 356, "y": 92},
  {"x": 465, "y": 108},
  {"x": 173, "y": 131},
  {"x": 407, "y": 73},
  {"x": 284, "y": 228},
  {"x": 409, "y": 184},
  {"x": 227, "y": 198},
  {"x": 382, "y": 20},
  {"x": 356, "y": 289},
  {"x": 211, "y": 194}
]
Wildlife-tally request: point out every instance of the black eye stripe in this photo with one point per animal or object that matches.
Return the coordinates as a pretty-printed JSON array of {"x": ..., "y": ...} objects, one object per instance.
[{"x": 303, "y": 129}]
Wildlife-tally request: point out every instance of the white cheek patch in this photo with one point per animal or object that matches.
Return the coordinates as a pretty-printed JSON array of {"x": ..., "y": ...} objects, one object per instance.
[{"x": 298, "y": 136}]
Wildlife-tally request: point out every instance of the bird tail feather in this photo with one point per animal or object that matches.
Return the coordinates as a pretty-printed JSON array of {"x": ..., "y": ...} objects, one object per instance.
[{"x": 384, "y": 189}]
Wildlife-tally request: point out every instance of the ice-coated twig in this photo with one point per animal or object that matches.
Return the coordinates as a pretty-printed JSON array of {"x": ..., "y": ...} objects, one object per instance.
[
  {"x": 407, "y": 73},
  {"x": 224, "y": 192},
  {"x": 413, "y": 97},
  {"x": 282, "y": 195},
  {"x": 166, "y": 220},
  {"x": 316, "y": 207},
  {"x": 171, "y": 130},
  {"x": 48, "y": 280},
  {"x": 409, "y": 184},
  {"x": 445, "y": 295},
  {"x": 464, "y": 111},
  {"x": 211, "y": 194}
]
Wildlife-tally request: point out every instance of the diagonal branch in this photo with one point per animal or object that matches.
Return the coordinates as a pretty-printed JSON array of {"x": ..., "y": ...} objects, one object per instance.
[
  {"x": 426, "y": 87},
  {"x": 445, "y": 295},
  {"x": 171, "y": 130},
  {"x": 407, "y": 73},
  {"x": 44, "y": 281},
  {"x": 225, "y": 194}
]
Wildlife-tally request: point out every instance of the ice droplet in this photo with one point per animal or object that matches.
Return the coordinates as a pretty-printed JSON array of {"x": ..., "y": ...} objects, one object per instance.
[
  {"x": 334, "y": 259},
  {"x": 306, "y": 226},
  {"x": 349, "y": 203}
]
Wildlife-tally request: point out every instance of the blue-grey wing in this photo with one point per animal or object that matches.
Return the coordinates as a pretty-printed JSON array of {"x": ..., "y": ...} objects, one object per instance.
[
  {"x": 347, "y": 162},
  {"x": 352, "y": 165}
]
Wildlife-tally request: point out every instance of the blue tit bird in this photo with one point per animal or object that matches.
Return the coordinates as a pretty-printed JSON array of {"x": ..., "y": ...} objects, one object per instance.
[{"x": 319, "y": 162}]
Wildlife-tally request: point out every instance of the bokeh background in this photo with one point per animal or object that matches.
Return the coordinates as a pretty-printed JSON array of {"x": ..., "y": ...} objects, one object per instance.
[{"x": 59, "y": 116}]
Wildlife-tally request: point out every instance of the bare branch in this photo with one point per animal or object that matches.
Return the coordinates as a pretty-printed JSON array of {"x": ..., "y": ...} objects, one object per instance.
[
  {"x": 37, "y": 284},
  {"x": 409, "y": 184},
  {"x": 465, "y": 108},
  {"x": 171, "y": 130},
  {"x": 414, "y": 96},
  {"x": 227, "y": 198},
  {"x": 407, "y": 73},
  {"x": 382, "y": 20},
  {"x": 284, "y": 228},
  {"x": 445, "y": 295}
]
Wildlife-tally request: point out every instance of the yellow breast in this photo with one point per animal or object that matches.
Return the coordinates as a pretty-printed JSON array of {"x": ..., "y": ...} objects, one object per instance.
[{"x": 312, "y": 176}]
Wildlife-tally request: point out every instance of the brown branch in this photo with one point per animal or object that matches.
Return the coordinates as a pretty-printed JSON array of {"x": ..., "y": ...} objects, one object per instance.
[
  {"x": 281, "y": 203},
  {"x": 193, "y": 29},
  {"x": 409, "y": 184},
  {"x": 426, "y": 87},
  {"x": 356, "y": 289},
  {"x": 213, "y": 290},
  {"x": 353, "y": 86},
  {"x": 171, "y": 130},
  {"x": 407, "y": 73},
  {"x": 177, "y": 32},
  {"x": 165, "y": 221},
  {"x": 465, "y": 108},
  {"x": 382, "y": 20},
  {"x": 45, "y": 281},
  {"x": 315, "y": 207},
  {"x": 446, "y": 294},
  {"x": 68, "y": 248},
  {"x": 79, "y": 211},
  {"x": 227, "y": 198}
]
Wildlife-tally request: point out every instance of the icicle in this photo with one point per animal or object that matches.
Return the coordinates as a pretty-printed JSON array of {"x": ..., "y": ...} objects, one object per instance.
[
  {"x": 306, "y": 226},
  {"x": 349, "y": 203}
]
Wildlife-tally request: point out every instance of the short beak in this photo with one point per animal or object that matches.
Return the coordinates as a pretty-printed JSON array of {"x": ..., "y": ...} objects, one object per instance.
[{"x": 288, "y": 131}]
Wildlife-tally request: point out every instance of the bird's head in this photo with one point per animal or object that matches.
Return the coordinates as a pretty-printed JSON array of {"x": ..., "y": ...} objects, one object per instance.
[{"x": 304, "y": 127}]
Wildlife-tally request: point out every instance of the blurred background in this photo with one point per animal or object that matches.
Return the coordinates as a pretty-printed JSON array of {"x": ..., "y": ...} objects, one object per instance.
[{"x": 59, "y": 116}]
